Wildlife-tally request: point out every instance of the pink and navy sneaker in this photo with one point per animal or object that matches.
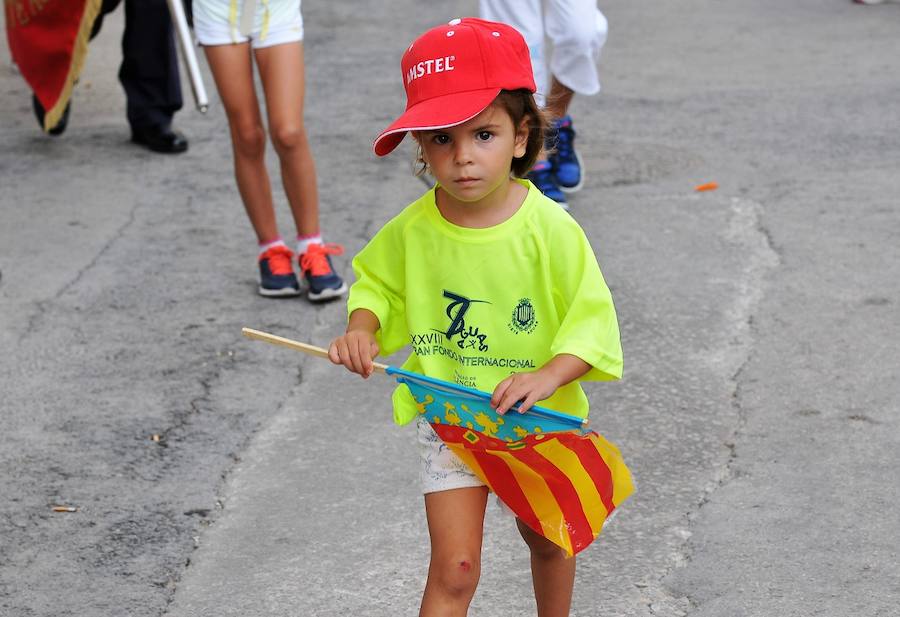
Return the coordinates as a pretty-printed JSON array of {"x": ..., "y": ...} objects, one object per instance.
[
  {"x": 541, "y": 175},
  {"x": 276, "y": 273},
  {"x": 322, "y": 282}
]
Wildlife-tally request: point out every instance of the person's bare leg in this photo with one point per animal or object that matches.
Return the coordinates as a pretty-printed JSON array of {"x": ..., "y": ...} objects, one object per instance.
[
  {"x": 232, "y": 69},
  {"x": 456, "y": 526},
  {"x": 552, "y": 573},
  {"x": 558, "y": 100},
  {"x": 282, "y": 73},
  {"x": 556, "y": 106}
]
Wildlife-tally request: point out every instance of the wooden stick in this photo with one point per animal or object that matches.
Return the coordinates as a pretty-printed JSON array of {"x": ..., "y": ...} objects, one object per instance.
[{"x": 297, "y": 346}]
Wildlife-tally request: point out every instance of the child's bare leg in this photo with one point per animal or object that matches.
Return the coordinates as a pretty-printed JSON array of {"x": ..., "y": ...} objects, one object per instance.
[
  {"x": 282, "y": 73},
  {"x": 456, "y": 526},
  {"x": 553, "y": 574},
  {"x": 232, "y": 69}
]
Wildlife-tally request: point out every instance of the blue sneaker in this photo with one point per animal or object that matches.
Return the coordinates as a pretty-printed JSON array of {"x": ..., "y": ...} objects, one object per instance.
[
  {"x": 322, "y": 281},
  {"x": 276, "y": 273},
  {"x": 541, "y": 175},
  {"x": 566, "y": 162}
]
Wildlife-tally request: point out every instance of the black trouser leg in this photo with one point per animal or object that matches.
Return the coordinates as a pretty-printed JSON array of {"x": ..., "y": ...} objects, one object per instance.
[
  {"x": 108, "y": 6},
  {"x": 149, "y": 71}
]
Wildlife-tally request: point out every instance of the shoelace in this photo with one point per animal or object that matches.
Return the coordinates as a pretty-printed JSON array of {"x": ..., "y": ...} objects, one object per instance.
[
  {"x": 280, "y": 260},
  {"x": 315, "y": 259}
]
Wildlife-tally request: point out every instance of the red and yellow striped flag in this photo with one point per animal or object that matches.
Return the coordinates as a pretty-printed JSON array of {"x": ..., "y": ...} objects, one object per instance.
[
  {"x": 557, "y": 477},
  {"x": 564, "y": 485}
]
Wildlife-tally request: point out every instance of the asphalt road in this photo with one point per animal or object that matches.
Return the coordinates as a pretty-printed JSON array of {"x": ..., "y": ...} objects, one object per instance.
[{"x": 759, "y": 409}]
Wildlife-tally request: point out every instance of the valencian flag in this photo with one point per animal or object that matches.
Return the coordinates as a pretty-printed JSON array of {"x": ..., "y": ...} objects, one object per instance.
[
  {"x": 48, "y": 40},
  {"x": 558, "y": 477}
]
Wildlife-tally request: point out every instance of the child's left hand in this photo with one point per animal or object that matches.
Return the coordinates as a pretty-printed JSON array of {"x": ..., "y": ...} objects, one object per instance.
[
  {"x": 526, "y": 387},
  {"x": 537, "y": 385}
]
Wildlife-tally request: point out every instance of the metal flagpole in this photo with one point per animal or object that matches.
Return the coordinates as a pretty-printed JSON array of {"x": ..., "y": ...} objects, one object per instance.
[{"x": 179, "y": 20}]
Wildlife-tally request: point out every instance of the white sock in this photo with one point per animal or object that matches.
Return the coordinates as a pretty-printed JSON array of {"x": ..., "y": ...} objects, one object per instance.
[
  {"x": 265, "y": 247},
  {"x": 303, "y": 242}
]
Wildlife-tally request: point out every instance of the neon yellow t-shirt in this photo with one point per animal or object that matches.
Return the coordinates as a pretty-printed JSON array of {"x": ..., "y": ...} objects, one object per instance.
[{"x": 479, "y": 304}]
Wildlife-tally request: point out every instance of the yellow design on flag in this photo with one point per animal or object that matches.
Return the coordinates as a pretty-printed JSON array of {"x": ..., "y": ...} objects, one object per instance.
[{"x": 559, "y": 478}]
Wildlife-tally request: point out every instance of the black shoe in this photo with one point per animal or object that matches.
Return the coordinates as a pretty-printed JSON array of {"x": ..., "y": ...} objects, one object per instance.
[
  {"x": 159, "y": 139},
  {"x": 39, "y": 113}
]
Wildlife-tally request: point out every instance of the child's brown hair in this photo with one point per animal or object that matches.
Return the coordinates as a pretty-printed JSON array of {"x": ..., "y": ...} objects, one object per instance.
[{"x": 520, "y": 104}]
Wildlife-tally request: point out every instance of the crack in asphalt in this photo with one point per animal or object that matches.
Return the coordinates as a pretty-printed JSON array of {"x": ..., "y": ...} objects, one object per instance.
[
  {"x": 210, "y": 516},
  {"x": 42, "y": 305},
  {"x": 749, "y": 231}
]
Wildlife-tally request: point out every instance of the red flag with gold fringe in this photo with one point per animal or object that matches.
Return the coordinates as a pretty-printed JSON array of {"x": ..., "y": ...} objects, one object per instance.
[{"x": 48, "y": 40}]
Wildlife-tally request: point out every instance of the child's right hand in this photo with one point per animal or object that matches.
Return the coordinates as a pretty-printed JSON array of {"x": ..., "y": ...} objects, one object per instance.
[{"x": 356, "y": 349}]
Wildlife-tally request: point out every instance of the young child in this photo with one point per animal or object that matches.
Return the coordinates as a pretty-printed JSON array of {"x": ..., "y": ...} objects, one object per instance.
[
  {"x": 483, "y": 272},
  {"x": 273, "y": 29}
]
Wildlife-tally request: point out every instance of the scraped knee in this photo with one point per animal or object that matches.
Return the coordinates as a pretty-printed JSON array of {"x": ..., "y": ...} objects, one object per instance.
[{"x": 458, "y": 576}]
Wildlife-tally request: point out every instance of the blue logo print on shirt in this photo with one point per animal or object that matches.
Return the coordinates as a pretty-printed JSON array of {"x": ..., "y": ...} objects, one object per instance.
[{"x": 469, "y": 337}]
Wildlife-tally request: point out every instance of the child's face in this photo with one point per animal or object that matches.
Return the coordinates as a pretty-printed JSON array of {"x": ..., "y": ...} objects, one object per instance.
[{"x": 471, "y": 160}]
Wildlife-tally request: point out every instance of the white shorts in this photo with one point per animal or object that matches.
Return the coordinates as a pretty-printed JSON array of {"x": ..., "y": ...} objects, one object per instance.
[
  {"x": 441, "y": 469},
  {"x": 275, "y": 22},
  {"x": 576, "y": 30}
]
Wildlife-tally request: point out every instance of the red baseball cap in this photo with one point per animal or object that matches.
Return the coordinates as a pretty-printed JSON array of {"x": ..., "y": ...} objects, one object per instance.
[{"x": 453, "y": 72}]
